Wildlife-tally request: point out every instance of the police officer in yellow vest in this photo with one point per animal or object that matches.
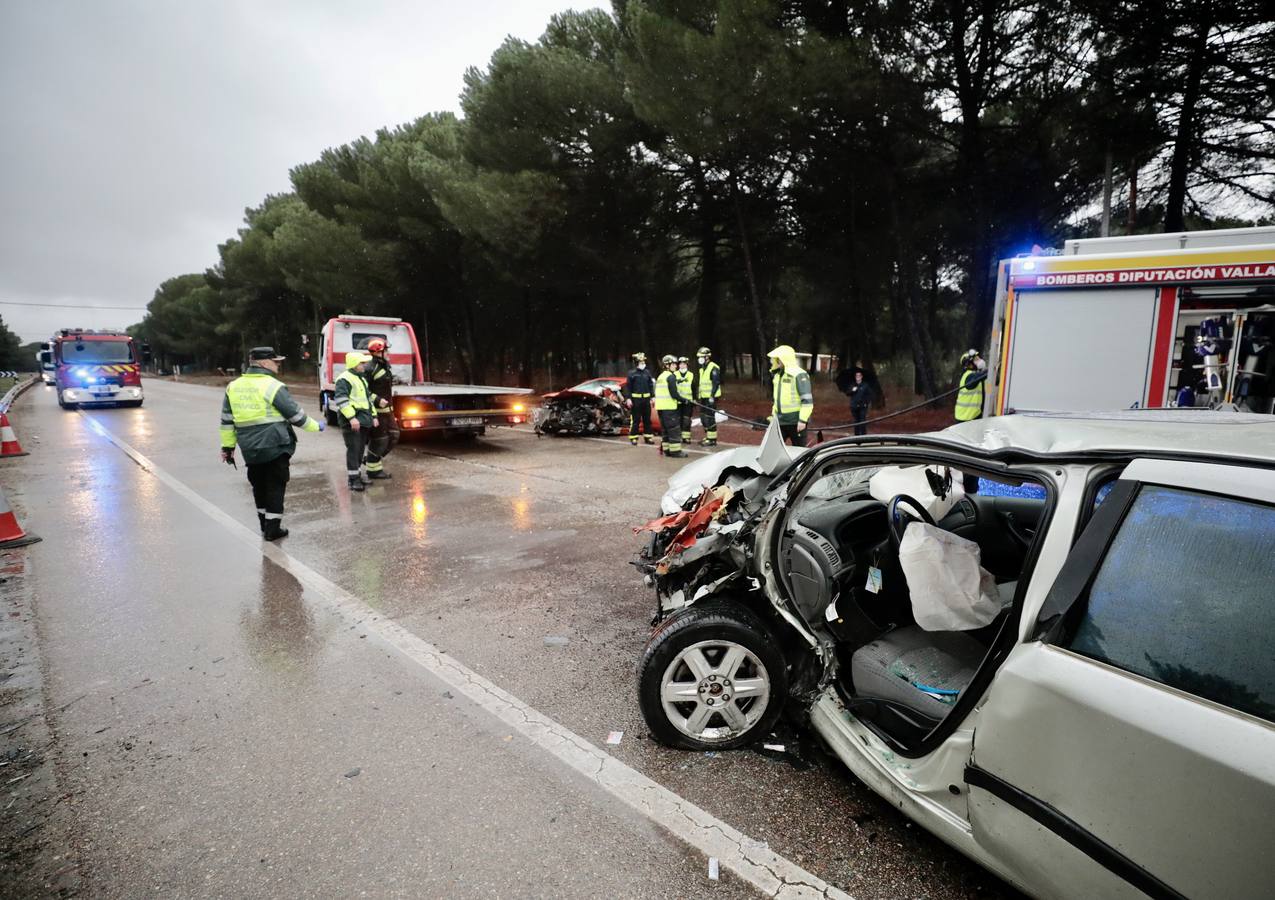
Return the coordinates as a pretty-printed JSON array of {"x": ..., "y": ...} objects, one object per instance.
[
  {"x": 708, "y": 393},
  {"x": 686, "y": 387},
  {"x": 969, "y": 396},
  {"x": 794, "y": 401},
  {"x": 353, "y": 403},
  {"x": 257, "y": 415},
  {"x": 668, "y": 401}
]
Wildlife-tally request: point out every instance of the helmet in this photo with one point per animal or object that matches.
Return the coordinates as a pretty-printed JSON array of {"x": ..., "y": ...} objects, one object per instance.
[
  {"x": 968, "y": 355},
  {"x": 703, "y": 351},
  {"x": 639, "y": 356},
  {"x": 683, "y": 359},
  {"x": 355, "y": 358},
  {"x": 668, "y": 360},
  {"x": 376, "y": 345}
]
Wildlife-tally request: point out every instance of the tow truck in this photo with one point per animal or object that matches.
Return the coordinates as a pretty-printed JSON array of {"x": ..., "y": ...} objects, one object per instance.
[
  {"x": 96, "y": 368},
  {"x": 419, "y": 405}
]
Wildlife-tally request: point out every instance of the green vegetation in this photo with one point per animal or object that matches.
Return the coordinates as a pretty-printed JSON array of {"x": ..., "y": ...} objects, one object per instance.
[{"x": 838, "y": 175}]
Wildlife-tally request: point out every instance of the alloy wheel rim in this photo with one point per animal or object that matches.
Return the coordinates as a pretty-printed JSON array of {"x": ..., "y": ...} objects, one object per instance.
[{"x": 715, "y": 691}]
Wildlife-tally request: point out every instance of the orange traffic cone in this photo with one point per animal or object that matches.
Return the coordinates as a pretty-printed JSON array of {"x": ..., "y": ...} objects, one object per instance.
[
  {"x": 9, "y": 445},
  {"x": 11, "y": 533}
]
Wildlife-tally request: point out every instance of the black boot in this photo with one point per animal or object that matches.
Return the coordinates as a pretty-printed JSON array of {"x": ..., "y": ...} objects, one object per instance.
[
  {"x": 275, "y": 530},
  {"x": 356, "y": 484},
  {"x": 261, "y": 521},
  {"x": 379, "y": 475}
]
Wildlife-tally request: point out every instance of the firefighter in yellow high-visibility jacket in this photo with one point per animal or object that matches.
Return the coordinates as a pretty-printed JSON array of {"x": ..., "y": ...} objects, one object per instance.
[{"x": 668, "y": 401}]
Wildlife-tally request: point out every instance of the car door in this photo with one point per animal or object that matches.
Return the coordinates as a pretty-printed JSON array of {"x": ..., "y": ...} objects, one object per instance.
[{"x": 1128, "y": 747}]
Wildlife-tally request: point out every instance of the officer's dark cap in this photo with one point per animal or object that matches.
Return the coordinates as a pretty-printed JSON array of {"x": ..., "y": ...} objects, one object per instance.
[{"x": 257, "y": 353}]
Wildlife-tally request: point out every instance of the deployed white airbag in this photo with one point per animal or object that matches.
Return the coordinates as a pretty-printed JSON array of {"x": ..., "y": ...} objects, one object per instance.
[{"x": 951, "y": 591}]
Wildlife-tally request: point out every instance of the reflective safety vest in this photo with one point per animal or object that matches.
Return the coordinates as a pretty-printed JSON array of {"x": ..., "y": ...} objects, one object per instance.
[
  {"x": 252, "y": 400},
  {"x": 969, "y": 401},
  {"x": 357, "y": 397},
  {"x": 787, "y": 399},
  {"x": 664, "y": 393},
  {"x": 706, "y": 391},
  {"x": 686, "y": 384}
]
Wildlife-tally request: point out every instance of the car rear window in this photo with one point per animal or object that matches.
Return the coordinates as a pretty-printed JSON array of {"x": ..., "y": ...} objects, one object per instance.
[{"x": 1184, "y": 596}]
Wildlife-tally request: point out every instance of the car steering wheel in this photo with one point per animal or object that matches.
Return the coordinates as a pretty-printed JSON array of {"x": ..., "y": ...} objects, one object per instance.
[{"x": 895, "y": 516}]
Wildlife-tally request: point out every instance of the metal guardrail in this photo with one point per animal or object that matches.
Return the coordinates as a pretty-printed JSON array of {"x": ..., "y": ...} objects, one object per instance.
[{"x": 14, "y": 392}]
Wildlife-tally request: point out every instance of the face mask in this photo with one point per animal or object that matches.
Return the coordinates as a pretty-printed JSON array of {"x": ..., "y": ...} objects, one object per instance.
[
  {"x": 682, "y": 367},
  {"x": 641, "y": 365},
  {"x": 701, "y": 359}
]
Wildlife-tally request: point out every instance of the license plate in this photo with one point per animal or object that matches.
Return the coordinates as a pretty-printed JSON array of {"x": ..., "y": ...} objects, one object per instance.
[
  {"x": 102, "y": 389},
  {"x": 467, "y": 420}
]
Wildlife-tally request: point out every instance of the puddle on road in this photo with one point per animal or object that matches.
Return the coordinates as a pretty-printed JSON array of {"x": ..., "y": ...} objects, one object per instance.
[{"x": 279, "y": 627}]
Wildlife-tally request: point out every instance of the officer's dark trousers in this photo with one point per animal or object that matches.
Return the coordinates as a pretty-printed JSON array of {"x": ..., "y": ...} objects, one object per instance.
[
  {"x": 792, "y": 435},
  {"x": 687, "y": 411},
  {"x": 641, "y": 415},
  {"x": 269, "y": 482},
  {"x": 860, "y": 413},
  {"x": 381, "y": 440},
  {"x": 355, "y": 444},
  {"x": 708, "y": 418},
  {"x": 671, "y": 426}
]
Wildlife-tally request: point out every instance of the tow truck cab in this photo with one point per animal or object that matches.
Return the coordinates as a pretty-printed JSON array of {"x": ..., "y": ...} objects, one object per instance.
[
  {"x": 96, "y": 368},
  {"x": 419, "y": 405}
]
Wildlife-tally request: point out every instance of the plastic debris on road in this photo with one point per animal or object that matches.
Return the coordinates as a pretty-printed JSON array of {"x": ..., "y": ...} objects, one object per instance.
[
  {"x": 778, "y": 747},
  {"x": 615, "y": 737},
  {"x": 556, "y": 640},
  {"x": 714, "y": 870}
]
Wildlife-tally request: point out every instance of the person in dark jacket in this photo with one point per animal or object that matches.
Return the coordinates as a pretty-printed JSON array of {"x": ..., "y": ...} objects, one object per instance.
[
  {"x": 861, "y": 399},
  {"x": 258, "y": 415},
  {"x": 380, "y": 383},
  {"x": 637, "y": 390}
]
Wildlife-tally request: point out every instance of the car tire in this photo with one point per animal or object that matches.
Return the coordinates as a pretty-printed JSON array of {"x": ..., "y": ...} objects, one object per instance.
[
  {"x": 325, "y": 400},
  {"x": 734, "y": 649},
  {"x": 62, "y": 403}
]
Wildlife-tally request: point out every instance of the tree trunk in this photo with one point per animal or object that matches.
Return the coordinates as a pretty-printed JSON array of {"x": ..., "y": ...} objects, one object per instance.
[
  {"x": 709, "y": 276},
  {"x": 759, "y": 314},
  {"x": 1184, "y": 140},
  {"x": 1133, "y": 200},
  {"x": 913, "y": 302},
  {"x": 1106, "y": 194}
]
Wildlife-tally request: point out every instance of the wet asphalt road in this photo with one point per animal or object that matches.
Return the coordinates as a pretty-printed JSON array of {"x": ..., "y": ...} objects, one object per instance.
[{"x": 228, "y": 734}]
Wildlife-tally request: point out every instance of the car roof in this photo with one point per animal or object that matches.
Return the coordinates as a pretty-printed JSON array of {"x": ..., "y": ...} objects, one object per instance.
[{"x": 1210, "y": 434}]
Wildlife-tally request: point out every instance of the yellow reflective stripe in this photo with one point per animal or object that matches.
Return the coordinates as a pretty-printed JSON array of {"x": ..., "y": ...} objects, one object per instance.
[{"x": 227, "y": 435}]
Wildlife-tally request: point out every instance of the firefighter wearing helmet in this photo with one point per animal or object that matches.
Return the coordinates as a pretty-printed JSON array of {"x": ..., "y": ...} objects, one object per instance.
[
  {"x": 708, "y": 394},
  {"x": 969, "y": 394},
  {"x": 638, "y": 389},
  {"x": 668, "y": 401},
  {"x": 380, "y": 384},
  {"x": 686, "y": 387}
]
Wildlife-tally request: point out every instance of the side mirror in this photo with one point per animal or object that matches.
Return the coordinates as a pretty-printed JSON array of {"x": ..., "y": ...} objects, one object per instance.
[{"x": 46, "y": 357}]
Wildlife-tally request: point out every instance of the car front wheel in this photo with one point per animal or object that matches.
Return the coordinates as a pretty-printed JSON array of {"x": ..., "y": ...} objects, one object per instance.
[{"x": 711, "y": 678}]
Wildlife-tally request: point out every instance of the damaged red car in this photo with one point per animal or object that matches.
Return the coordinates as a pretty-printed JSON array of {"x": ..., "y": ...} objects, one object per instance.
[{"x": 593, "y": 407}]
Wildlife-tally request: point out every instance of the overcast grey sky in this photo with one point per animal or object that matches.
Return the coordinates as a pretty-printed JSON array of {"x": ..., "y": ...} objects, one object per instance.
[{"x": 135, "y": 133}]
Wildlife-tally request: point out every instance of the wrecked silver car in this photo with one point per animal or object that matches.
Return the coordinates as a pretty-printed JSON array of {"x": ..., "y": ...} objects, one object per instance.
[{"x": 1014, "y": 630}]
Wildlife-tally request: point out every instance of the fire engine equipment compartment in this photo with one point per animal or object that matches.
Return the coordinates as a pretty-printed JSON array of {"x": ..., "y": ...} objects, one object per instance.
[{"x": 1184, "y": 319}]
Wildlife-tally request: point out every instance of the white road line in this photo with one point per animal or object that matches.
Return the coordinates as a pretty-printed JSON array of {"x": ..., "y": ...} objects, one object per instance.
[{"x": 770, "y": 873}]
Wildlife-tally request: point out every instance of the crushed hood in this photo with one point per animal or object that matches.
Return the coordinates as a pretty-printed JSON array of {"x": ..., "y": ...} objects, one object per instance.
[{"x": 768, "y": 459}]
